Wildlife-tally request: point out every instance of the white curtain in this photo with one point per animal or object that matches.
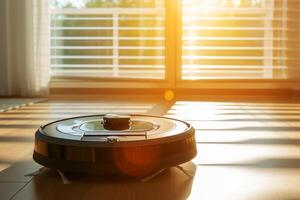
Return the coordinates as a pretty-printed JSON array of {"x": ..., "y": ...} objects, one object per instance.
[{"x": 25, "y": 52}]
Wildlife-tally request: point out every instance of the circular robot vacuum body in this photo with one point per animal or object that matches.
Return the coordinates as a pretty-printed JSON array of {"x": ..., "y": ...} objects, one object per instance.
[{"x": 133, "y": 145}]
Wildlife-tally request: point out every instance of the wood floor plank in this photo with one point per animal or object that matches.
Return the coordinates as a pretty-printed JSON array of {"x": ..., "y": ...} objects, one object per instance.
[{"x": 7, "y": 190}]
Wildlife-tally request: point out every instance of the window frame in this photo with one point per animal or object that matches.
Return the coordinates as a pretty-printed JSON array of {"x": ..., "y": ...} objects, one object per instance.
[
  {"x": 107, "y": 82},
  {"x": 173, "y": 79},
  {"x": 223, "y": 83}
]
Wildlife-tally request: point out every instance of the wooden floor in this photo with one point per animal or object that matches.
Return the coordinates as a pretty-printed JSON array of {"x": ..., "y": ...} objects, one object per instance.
[{"x": 246, "y": 150}]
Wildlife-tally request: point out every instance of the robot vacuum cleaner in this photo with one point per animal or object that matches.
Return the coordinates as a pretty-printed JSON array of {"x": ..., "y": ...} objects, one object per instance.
[{"x": 131, "y": 145}]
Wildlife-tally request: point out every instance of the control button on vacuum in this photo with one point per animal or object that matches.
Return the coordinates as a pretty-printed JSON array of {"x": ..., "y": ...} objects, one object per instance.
[
  {"x": 112, "y": 139},
  {"x": 116, "y": 122}
]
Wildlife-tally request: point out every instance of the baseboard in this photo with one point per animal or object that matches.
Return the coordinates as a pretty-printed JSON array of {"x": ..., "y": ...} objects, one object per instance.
[{"x": 147, "y": 91}]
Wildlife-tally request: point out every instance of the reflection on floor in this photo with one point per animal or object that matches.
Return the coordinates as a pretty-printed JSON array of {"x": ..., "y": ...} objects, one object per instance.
[
  {"x": 245, "y": 151},
  {"x": 15, "y": 103}
]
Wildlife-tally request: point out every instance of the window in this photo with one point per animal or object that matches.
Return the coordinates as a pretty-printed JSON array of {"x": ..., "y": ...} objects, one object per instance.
[
  {"x": 237, "y": 39},
  {"x": 120, "y": 39},
  {"x": 175, "y": 40},
  {"x": 226, "y": 39}
]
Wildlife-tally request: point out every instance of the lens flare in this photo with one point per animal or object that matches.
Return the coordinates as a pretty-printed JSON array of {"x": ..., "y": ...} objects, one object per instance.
[{"x": 169, "y": 95}]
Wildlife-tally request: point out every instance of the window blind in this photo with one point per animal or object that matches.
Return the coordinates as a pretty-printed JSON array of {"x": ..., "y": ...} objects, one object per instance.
[
  {"x": 120, "y": 39},
  {"x": 240, "y": 39}
]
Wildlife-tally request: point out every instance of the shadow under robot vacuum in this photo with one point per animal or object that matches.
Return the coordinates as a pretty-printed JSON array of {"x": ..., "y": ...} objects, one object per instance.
[{"x": 171, "y": 183}]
